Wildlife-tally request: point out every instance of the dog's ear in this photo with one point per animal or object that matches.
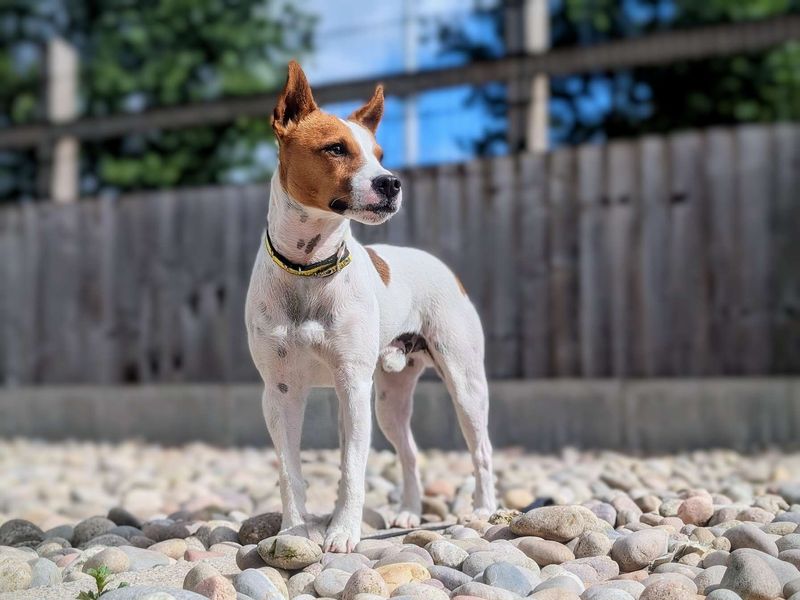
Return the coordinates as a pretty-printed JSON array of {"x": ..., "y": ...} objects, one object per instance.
[
  {"x": 295, "y": 101},
  {"x": 370, "y": 114}
]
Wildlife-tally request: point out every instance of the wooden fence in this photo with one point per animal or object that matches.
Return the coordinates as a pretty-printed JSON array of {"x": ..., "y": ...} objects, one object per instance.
[{"x": 663, "y": 256}]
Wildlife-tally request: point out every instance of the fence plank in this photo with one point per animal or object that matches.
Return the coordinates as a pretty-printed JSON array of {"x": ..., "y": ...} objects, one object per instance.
[
  {"x": 723, "y": 249},
  {"x": 533, "y": 266},
  {"x": 785, "y": 257},
  {"x": 655, "y": 226},
  {"x": 688, "y": 276},
  {"x": 621, "y": 243},
  {"x": 503, "y": 341},
  {"x": 754, "y": 183},
  {"x": 563, "y": 264},
  {"x": 595, "y": 302}
]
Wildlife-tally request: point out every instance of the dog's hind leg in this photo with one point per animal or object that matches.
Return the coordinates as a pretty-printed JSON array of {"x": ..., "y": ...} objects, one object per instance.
[
  {"x": 460, "y": 363},
  {"x": 394, "y": 400},
  {"x": 283, "y": 409}
]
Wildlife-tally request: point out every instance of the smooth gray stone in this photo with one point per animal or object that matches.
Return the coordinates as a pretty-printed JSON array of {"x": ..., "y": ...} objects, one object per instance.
[
  {"x": 142, "y": 592},
  {"x": 44, "y": 572},
  {"x": 451, "y": 578},
  {"x": 508, "y": 577}
]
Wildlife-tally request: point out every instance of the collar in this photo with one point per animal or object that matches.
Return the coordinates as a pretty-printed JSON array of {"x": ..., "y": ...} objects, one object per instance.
[{"x": 323, "y": 268}]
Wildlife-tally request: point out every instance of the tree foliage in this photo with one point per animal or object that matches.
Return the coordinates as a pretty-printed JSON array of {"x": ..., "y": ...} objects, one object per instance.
[
  {"x": 139, "y": 54},
  {"x": 757, "y": 87}
]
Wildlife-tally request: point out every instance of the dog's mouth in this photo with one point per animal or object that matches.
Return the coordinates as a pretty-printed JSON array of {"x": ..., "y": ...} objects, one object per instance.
[{"x": 339, "y": 205}]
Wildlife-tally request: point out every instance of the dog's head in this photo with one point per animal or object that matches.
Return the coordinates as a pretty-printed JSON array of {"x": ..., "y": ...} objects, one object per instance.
[{"x": 332, "y": 164}]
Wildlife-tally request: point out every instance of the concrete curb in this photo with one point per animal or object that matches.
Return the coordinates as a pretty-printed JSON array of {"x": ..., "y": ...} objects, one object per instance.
[{"x": 651, "y": 416}]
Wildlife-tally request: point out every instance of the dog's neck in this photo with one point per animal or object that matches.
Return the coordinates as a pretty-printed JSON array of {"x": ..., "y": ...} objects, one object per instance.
[{"x": 301, "y": 234}]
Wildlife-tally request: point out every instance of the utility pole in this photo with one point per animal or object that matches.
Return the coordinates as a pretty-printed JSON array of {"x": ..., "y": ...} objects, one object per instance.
[
  {"x": 410, "y": 109},
  {"x": 527, "y": 27},
  {"x": 59, "y": 159}
]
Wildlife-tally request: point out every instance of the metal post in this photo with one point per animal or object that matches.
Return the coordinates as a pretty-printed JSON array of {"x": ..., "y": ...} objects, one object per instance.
[{"x": 63, "y": 159}]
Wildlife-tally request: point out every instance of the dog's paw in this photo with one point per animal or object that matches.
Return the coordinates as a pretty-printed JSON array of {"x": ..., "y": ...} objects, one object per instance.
[
  {"x": 406, "y": 520},
  {"x": 341, "y": 539}
]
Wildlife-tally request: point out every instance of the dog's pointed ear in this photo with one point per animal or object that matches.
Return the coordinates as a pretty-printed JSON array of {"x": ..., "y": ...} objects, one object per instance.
[
  {"x": 370, "y": 114},
  {"x": 295, "y": 101}
]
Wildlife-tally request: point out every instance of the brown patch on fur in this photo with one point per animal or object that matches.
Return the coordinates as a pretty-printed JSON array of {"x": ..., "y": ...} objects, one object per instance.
[
  {"x": 311, "y": 171},
  {"x": 380, "y": 266},
  {"x": 311, "y": 174}
]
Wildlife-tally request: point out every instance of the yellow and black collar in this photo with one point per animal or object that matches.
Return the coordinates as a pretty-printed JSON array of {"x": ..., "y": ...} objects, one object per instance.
[{"x": 324, "y": 268}]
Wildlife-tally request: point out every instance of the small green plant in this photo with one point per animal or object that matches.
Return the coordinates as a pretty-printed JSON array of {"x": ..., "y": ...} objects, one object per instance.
[{"x": 101, "y": 577}]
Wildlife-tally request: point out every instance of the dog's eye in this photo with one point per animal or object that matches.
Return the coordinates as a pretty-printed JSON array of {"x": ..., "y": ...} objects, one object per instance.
[{"x": 336, "y": 149}]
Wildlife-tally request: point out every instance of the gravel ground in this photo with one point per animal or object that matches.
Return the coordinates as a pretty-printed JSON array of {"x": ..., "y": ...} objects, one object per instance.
[{"x": 200, "y": 522}]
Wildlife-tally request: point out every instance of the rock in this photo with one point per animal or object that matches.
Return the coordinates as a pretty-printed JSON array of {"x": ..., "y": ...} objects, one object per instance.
[
  {"x": 789, "y": 542},
  {"x": 140, "y": 592},
  {"x": 696, "y": 510},
  {"x": 595, "y": 593},
  {"x": 106, "y": 539},
  {"x": 216, "y": 587},
  {"x": 792, "y": 587},
  {"x": 518, "y": 498},
  {"x": 120, "y": 516},
  {"x": 565, "y": 582},
  {"x": 344, "y": 562},
  {"x": 197, "y": 574},
  {"x": 421, "y": 537},
  {"x": 673, "y": 579},
  {"x": 255, "y": 584},
  {"x": 174, "y": 548},
  {"x": 399, "y": 573},
  {"x": 557, "y": 523},
  {"x": 419, "y": 591},
  {"x": 365, "y": 581},
  {"x": 750, "y": 536},
  {"x": 637, "y": 550},
  {"x": 302, "y": 583},
  {"x": 113, "y": 559},
  {"x": 44, "y": 572},
  {"x": 592, "y": 543},
  {"x": 507, "y": 576},
  {"x": 15, "y": 574},
  {"x": 446, "y": 554},
  {"x": 478, "y": 561},
  {"x": 751, "y": 578},
  {"x": 483, "y": 591},
  {"x": 711, "y": 576},
  {"x": 196, "y": 555},
  {"x": 545, "y": 552},
  {"x": 289, "y": 552},
  {"x": 17, "y": 531},
  {"x": 142, "y": 560},
  {"x": 222, "y": 534},
  {"x": 247, "y": 557},
  {"x": 554, "y": 594},
  {"x": 331, "y": 583},
  {"x": 91, "y": 528},
  {"x": 450, "y": 578},
  {"x": 720, "y": 594},
  {"x": 666, "y": 590}
]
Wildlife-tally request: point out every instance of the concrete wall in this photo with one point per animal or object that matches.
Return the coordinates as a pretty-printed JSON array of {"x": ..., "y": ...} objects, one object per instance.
[{"x": 634, "y": 415}]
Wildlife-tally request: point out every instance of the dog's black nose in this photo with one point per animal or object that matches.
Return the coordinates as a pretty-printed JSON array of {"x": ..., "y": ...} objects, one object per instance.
[{"x": 387, "y": 185}]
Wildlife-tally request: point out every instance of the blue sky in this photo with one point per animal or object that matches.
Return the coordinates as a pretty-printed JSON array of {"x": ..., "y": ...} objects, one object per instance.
[{"x": 360, "y": 38}]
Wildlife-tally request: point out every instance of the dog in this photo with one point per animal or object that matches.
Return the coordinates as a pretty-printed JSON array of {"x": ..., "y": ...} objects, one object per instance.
[{"x": 324, "y": 311}]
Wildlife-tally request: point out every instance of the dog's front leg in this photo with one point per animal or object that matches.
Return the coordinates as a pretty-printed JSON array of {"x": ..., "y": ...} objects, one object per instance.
[
  {"x": 283, "y": 409},
  {"x": 354, "y": 390}
]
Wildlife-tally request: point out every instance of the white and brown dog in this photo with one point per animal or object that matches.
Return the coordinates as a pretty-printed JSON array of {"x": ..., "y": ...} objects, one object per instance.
[{"x": 324, "y": 311}]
